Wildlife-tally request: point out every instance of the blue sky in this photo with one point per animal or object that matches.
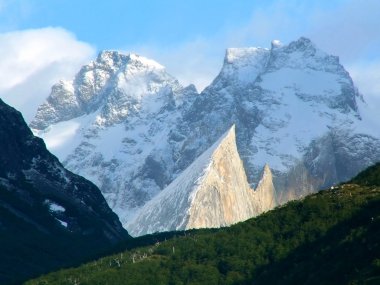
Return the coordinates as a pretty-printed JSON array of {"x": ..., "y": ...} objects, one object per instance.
[
  {"x": 45, "y": 40},
  {"x": 115, "y": 24}
]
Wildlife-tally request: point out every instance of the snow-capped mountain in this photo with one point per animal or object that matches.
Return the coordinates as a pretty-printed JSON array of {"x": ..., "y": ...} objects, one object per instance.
[
  {"x": 295, "y": 108},
  {"x": 116, "y": 87},
  {"x": 212, "y": 192},
  {"x": 121, "y": 110},
  {"x": 131, "y": 128},
  {"x": 49, "y": 217}
]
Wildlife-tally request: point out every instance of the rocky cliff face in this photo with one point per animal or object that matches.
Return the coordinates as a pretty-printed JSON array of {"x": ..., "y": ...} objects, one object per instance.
[
  {"x": 212, "y": 192},
  {"x": 49, "y": 217},
  {"x": 294, "y": 106}
]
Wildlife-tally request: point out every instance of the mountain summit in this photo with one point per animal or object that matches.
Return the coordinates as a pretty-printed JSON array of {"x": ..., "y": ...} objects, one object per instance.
[
  {"x": 137, "y": 129},
  {"x": 120, "y": 110},
  {"x": 115, "y": 85}
]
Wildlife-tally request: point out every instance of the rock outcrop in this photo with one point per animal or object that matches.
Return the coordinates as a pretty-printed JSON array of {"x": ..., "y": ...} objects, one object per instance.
[{"x": 212, "y": 192}]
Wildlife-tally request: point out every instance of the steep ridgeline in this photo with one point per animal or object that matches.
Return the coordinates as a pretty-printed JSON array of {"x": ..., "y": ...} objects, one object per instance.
[
  {"x": 111, "y": 122},
  {"x": 49, "y": 217},
  {"x": 212, "y": 192},
  {"x": 135, "y": 129}
]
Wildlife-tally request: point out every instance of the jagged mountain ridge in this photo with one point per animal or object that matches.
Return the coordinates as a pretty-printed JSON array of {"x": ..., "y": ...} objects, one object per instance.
[
  {"x": 212, "y": 192},
  {"x": 117, "y": 85},
  {"x": 115, "y": 152},
  {"x": 273, "y": 96},
  {"x": 49, "y": 217}
]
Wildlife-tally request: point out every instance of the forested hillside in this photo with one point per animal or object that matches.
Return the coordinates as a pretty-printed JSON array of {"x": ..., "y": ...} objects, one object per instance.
[{"x": 331, "y": 237}]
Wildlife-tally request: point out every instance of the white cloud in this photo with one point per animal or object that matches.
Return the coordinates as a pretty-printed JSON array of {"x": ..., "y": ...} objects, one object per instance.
[{"x": 33, "y": 60}]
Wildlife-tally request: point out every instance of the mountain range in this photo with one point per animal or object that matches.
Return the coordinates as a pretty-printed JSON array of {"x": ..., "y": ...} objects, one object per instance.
[
  {"x": 275, "y": 125},
  {"x": 131, "y": 128}
]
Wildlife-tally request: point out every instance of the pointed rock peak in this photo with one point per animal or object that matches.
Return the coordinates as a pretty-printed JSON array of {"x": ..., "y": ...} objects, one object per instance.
[
  {"x": 231, "y": 133},
  {"x": 212, "y": 192},
  {"x": 265, "y": 192},
  {"x": 228, "y": 136},
  {"x": 266, "y": 177},
  {"x": 266, "y": 169},
  {"x": 227, "y": 140}
]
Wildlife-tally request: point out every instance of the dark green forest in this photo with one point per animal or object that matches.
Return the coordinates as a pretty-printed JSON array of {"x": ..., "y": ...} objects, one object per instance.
[{"x": 331, "y": 237}]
